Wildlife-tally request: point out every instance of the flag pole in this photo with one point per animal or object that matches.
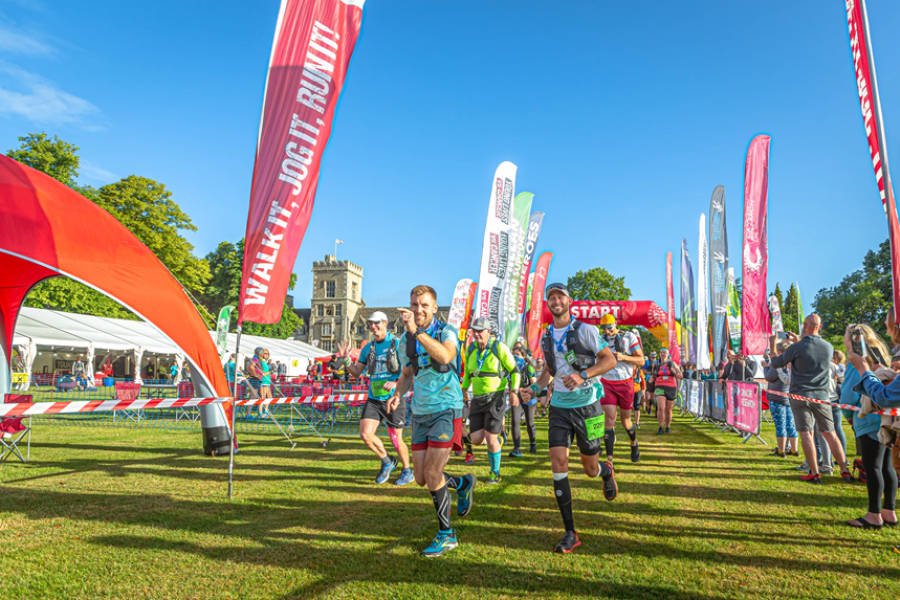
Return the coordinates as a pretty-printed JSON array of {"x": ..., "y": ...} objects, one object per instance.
[{"x": 237, "y": 354}]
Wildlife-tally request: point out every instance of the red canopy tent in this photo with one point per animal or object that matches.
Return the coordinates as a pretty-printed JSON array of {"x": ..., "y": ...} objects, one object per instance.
[{"x": 48, "y": 229}]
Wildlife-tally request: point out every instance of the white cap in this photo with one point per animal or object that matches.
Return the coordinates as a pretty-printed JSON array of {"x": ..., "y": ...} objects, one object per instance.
[{"x": 377, "y": 316}]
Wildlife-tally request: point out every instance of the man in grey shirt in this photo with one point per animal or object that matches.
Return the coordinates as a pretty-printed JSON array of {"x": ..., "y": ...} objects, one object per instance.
[{"x": 810, "y": 360}]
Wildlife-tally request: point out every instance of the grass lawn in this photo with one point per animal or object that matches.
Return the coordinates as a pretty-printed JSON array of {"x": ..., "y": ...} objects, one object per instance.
[{"x": 123, "y": 513}]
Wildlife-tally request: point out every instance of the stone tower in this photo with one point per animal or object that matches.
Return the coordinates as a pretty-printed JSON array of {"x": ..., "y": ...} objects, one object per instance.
[{"x": 337, "y": 296}]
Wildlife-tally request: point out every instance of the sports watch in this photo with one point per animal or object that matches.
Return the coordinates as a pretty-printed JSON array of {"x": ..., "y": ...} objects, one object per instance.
[{"x": 584, "y": 375}]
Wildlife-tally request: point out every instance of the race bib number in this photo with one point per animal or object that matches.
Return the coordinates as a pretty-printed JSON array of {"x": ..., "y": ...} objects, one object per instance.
[
  {"x": 595, "y": 427},
  {"x": 378, "y": 389}
]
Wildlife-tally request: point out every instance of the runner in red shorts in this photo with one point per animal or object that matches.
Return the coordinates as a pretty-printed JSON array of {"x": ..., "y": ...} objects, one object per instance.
[{"x": 618, "y": 384}]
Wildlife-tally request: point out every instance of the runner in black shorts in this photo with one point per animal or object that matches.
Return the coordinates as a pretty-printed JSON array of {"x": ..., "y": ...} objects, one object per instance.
[{"x": 576, "y": 357}]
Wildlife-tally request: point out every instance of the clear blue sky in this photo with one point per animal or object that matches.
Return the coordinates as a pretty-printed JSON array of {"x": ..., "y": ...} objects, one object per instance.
[{"x": 622, "y": 117}]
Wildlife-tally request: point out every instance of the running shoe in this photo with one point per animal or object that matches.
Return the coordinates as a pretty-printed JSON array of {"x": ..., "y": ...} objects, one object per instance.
[
  {"x": 386, "y": 469},
  {"x": 610, "y": 488},
  {"x": 441, "y": 544},
  {"x": 660, "y": 432},
  {"x": 503, "y": 438},
  {"x": 847, "y": 476},
  {"x": 814, "y": 479},
  {"x": 516, "y": 453},
  {"x": 635, "y": 453},
  {"x": 465, "y": 497},
  {"x": 779, "y": 453},
  {"x": 457, "y": 452},
  {"x": 668, "y": 430},
  {"x": 494, "y": 477},
  {"x": 638, "y": 425},
  {"x": 794, "y": 453},
  {"x": 532, "y": 448},
  {"x": 569, "y": 542},
  {"x": 406, "y": 477},
  {"x": 470, "y": 458}
]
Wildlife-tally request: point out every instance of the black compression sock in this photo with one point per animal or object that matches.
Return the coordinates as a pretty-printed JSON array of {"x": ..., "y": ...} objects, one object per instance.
[
  {"x": 632, "y": 433},
  {"x": 468, "y": 442},
  {"x": 564, "y": 500},
  {"x": 441, "y": 500},
  {"x": 609, "y": 440},
  {"x": 453, "y": 483}
]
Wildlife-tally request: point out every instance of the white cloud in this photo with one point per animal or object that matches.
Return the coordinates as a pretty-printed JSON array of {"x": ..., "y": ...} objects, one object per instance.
[
  {"x": 39, "y": 100},
  {"x": 95, "y": 173},
  {"x": 20, "y": 43}
]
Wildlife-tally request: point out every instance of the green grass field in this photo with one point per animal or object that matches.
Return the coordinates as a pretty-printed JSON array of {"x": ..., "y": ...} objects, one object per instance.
[{"x": 120, "y": 513}]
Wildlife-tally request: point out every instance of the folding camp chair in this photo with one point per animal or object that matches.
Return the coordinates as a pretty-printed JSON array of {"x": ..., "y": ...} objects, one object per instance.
[{"x": 12, "y": 430}]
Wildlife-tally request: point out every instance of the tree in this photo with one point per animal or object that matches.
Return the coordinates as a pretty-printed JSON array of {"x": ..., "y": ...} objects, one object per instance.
[
  {"x": 145, "y": 207},
  {"x": 863, "y": 296},
  {"x": 790, "y": 310},
  {"x": 62, "y": 293},
  {"x": 597, "y": 284},
  {"x": 52, "y": 156},
  {"x": 225, "y": 265},
  {"x": 780, "y": 297}
]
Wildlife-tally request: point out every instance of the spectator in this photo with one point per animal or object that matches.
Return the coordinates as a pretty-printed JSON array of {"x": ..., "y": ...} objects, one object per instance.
[
  {"x": 78, "y": 367},
  {"x": 336, "y": 367},
  {"x": 834, "y": 396},
  {"x": 810, "y": 360},
  {"x": 725, "y": 367},
  {"x": 173, "y": 371},
  {"x": 230, "y": 371},
  {"x": 881, "y": 478},
  {"x": 780, "y": 407},
  {"x": 839, "y": 359},
  {"x": 282, "y": 371}
]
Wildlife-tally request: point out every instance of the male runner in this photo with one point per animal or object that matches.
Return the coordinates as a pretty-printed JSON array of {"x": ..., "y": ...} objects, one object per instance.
[
  {"x": 640, "y": 385},
  {"x": 527, "y": 376},
  {"x": 575, "y": 357},
  {"x": 381, "y": 359},
  {"x": 649, "y": 369},
  {"x": 491, "y": 370},
  {"x": 429, "y": 353},
  {"x": 618, "y": 384},
  {"x": 665, "y": 385}
]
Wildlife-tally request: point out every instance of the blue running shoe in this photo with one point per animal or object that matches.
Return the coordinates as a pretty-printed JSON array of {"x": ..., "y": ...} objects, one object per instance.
[
  {"x": 465, "y": 497},
  {"x": 441, "y": 544},
  {"x": 406, "y": 477},
  {"x": 385, "y": 473}
]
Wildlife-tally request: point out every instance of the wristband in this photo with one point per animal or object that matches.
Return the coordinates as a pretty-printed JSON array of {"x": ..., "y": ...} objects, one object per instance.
[
  {"x": 535, "y": 389},
  {"x": 347, "y": 362}
]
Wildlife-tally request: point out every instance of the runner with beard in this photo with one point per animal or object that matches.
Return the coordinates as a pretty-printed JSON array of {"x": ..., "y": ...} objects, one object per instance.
[
  {"x": 575, "y": 358},
  {"x": 429, "y": 353},
  {"x": 618, "y": 384}
]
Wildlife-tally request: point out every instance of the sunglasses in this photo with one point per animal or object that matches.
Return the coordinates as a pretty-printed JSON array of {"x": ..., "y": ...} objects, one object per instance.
[{"x": 607, "y": 327}]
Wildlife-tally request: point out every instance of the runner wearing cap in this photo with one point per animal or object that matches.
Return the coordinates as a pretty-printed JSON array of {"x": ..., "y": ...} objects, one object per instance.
[
  {"x": 491, "y": 371},
  {"x": 526, "y": 410},
  {"x": 575, "y": 358},
  {"x": 381, "y": 359},
  {"x": 429, "y": 353},
  {"x": 665, "y": 382},
  {"x": 618, "y": 384}
]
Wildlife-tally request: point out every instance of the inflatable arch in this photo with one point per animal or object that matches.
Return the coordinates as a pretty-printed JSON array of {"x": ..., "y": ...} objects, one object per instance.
[{"x": 47, "y": 230}]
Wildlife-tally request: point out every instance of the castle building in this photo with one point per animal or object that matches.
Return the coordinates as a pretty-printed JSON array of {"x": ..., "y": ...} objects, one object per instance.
[{"x": 337, "y": 310}]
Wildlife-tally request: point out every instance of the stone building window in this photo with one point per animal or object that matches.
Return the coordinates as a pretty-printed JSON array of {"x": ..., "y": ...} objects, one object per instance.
[
  {"x": 321, "y": 311},
  {"x": 360, "y": 329},
  {"x": 326, "y": 330},
  {"x": 329, "y": 289},
  {"x": 326, "y": 345},
  {"x": 354, "y": 293},
  {"x": 337, "y": 310}
]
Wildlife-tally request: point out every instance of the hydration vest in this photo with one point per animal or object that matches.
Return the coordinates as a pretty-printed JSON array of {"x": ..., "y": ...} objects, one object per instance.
[
  {"x": 584, "y": 357},
  {"x": 413, "y": 355},
  {"x": 392, "y": 363},
  {"x": 492, "y": 349},
  {"x": 618, "y": 343}
]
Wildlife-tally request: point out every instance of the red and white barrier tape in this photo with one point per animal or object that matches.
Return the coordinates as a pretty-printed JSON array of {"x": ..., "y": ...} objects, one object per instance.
[
  {"x": 23, "y": 409},
  {"x": 891, "y": 412}
]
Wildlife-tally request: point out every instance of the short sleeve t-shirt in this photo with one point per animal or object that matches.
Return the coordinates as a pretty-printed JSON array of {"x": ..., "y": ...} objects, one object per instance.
[
  {"x": 229, "y": 370},
  {"x": 381, "y": 374},
  {"x": 630, "y": 345},
  {"x": 266, "y": 379},
  {"x": 432, "y": 391},
  {"x": 588, "y": 392}
]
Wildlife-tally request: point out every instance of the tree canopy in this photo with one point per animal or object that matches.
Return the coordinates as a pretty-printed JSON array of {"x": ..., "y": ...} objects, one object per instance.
[
  {"x": 597, "y": 284},
  {"x": 52, "y": 156}
]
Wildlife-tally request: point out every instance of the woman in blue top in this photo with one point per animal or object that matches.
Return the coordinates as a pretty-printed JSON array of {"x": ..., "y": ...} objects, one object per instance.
[{"x": 881, "y": 479}]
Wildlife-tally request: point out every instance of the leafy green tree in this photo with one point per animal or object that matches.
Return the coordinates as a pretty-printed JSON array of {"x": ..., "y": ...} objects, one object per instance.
[
  {"x": 597, "y": 284},
  {"x": 780, "y": 297},
  {"x": 790, "y": 310},
  {"x": 146, "y": 208},
  {"x": 52, "y": 156},
  {"x": 67, "y": 295}
]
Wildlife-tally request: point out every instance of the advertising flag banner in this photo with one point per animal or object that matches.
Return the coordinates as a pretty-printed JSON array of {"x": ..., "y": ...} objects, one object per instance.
[
  {"x": 314, "y": 40},
  {"x": 702, "y": 361},
  {"x": 775, "y": 310},
  {"x": 870, "y": 106},
  {"x": 734, "y": 313},
  {"x": 222, "y": 325},
  {"x": 495, "y": 249},
  {"x": 743, "y": 406},
  {"x": 718, "y": 288},
  {"x": 535, "y": 312},
  {"x": 800, "y": 313},
  {"x": 688, "y": 325},
  {"x": 754, "y": 304},
  {"x": 458, "y": 305},
  {"x": 511, "y": 292},
  {"x": 532, "y": 234},
  {"x": 467, "y": 318},
  {"x": 674, "y": 349}
]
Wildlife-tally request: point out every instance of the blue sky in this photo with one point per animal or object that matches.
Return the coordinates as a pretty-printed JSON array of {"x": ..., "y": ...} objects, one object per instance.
[{"x": 622, "y": 118}]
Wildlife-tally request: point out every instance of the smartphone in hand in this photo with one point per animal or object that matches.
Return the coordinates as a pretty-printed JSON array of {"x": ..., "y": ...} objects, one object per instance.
[{"x": 858, "y": 342}]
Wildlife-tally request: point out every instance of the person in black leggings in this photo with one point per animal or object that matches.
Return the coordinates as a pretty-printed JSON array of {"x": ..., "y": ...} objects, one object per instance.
[{"x": 528, "y": 376}]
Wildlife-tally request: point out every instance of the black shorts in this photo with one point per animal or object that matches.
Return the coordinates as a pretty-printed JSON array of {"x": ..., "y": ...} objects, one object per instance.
[
  {"x": 568, "y": 422},
  {"x": 376, "y": 410},
  {"x": 637, "y": 400},
  {"x": 486, "y": 412},
  {"x": 668, "y": 391}
]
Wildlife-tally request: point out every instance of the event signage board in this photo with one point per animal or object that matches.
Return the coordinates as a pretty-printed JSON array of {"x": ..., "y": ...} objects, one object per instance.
[
  {"x": 718, "y": 258},
  {"x": 870, "y": 106},
  {"x": 314, "y": 40},
  {"x": 458, "y": 304},
  {"x": 715, "y": 397},
  {"x": 674, "y": 350},
  {"x": 536, "y": 312},
  {"x": 688, "y": 324},
  {"x": 495, "y": 248},
  {"x": 532, "y": 235},
  {"x": 743, "y": 402},
  {"x": 702, "y": 361},
  {"x": 518, "y": 231},
  {"x": 754, "y": 304}
]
